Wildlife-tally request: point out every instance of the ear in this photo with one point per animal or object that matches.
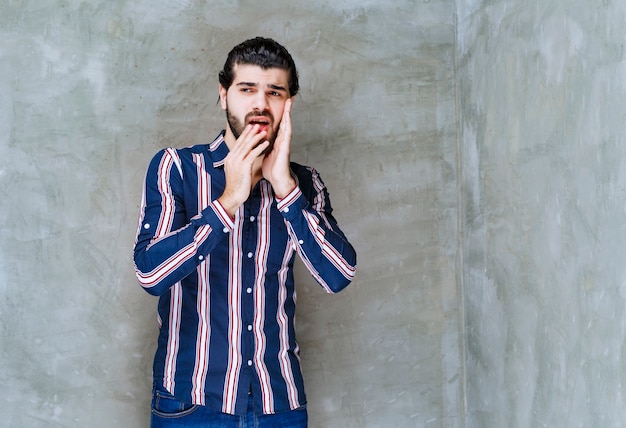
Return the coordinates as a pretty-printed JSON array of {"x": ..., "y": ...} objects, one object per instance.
[{"x": 223, "y": 93}]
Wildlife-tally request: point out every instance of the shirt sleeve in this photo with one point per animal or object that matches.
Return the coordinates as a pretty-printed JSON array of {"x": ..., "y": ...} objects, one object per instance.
[
  {"x": 168, "y": 246},
  {"x": 321, "y": 244}
]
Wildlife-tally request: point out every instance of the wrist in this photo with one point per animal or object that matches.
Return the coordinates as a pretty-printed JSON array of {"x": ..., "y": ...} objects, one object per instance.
[
  {"x": 229, "y": 205},
  {"x": 282, "y": 190}
]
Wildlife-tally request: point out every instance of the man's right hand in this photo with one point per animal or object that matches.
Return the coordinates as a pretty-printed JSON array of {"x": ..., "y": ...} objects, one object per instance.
[{"x": 240, "y": 165}]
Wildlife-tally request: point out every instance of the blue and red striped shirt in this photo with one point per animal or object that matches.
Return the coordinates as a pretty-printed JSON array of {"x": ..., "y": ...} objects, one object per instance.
[{"x": 226, "y": 286}]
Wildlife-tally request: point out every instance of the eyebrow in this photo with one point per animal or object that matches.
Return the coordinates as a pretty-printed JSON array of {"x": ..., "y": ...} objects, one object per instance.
[{"x": 254, "y": 85}]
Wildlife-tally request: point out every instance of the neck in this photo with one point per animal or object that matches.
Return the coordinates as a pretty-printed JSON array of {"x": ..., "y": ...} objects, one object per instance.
[{"x": 229, "y": 138}]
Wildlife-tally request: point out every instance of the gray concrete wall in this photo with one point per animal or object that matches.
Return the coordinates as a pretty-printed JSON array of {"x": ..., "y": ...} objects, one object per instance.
[
  {"x": 473, "y": 151},
  {"x": 542, "y": 89},
  {"x": 90, "y": 90}
]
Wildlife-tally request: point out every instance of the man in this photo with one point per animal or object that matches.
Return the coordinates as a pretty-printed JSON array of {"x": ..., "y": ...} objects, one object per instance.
[{"x": 219, "y": 228}]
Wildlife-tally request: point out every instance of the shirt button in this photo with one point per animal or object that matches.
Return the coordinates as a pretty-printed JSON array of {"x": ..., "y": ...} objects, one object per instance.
[
  {"x": 225, "y": 230},
  {"x": 286, "y": 210},
  {"x": 249, "y": 327},
  {"x": 249, "y": 363},
  {"x": 248, "y": 290},
  {"x": 200, "y": 257},
  {"x": 301, "y": 242},
  {"x": 250, "y": 255},
  {"x": 252, "y": 218},
  {"x": 146, "y": 226}
]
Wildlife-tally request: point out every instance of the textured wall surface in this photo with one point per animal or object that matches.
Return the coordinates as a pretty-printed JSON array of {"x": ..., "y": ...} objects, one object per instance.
[
  {"x": 90, "y": 90},
  {"x": 542, "y": 89}
]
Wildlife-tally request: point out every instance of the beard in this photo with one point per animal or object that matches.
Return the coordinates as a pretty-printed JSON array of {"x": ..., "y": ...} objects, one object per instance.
[{"x": 236, "y": 126}]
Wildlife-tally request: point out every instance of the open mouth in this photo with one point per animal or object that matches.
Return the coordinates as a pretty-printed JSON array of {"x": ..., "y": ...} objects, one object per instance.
[{"x": 263, "y": 123}]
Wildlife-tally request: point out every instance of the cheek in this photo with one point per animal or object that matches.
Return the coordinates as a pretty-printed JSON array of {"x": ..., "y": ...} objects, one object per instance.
[{"x": 278, "y": 112}]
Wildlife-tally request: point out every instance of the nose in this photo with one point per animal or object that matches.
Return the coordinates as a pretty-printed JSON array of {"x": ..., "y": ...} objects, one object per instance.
[{"x": 260, "y": 101}]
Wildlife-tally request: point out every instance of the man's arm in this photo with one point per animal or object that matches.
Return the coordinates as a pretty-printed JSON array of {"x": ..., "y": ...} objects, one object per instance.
[
  {"x": 321, "y": 244},
  {"x": 168, "y": 247},
  {"x": 305, "y": 205}
]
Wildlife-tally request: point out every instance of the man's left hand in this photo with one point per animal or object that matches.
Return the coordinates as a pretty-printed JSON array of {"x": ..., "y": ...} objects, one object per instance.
[{"x": 276, "y": 163}]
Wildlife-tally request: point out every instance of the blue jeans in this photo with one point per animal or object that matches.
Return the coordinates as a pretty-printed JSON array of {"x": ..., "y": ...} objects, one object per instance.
[{"x": 168, "y": 412}]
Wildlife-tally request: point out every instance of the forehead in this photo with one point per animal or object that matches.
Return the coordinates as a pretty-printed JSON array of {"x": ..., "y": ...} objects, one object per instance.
[{"x": 255, "y": 74}]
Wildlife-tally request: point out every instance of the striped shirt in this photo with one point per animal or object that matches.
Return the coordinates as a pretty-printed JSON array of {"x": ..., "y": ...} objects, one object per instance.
[{"x": 226, "y": 286}]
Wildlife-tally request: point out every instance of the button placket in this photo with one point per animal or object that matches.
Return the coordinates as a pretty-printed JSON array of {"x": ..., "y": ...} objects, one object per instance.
[{"x": 249, "y": 224}]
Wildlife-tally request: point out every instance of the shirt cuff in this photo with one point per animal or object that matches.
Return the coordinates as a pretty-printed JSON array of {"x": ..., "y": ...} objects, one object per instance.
[
  {"x": 292, "y": 203},
  {"x": 217, "y": 217}
]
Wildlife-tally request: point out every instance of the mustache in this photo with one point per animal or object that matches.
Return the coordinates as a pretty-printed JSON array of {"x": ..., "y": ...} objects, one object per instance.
[{"x": 263, "y": 113}]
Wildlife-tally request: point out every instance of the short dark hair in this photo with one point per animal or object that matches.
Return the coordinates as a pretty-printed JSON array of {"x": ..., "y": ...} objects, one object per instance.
[{"x": 264, "y": 52}]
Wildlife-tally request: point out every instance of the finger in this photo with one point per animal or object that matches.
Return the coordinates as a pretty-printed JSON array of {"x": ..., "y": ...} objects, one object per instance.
[
  {"x": 287, "y": 111},
  {"x": 259, "y": 149},
  {"x": 284, "y": 132},
  {"x": 249, "y": 133},
  {"x": 242, "y": 137},
  {"x": 249, "y": 138},
  {"x": 252, "y": 144},
  {"x": 289, "y": 103}
]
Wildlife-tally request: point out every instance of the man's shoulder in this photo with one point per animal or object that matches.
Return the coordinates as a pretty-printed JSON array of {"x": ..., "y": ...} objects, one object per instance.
[
  {"x": 309, "y": 179},
  {"x": 299, "y": 169},
  {"x": 183, "y": 158},
  {"x": 182, "y": 151},
  {"x": 187, "y": 151}
]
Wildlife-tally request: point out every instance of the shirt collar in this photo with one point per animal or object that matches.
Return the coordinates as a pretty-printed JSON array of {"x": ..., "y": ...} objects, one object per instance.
[{"x": 219, "y": 150}]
